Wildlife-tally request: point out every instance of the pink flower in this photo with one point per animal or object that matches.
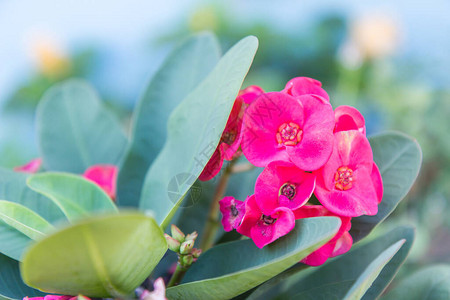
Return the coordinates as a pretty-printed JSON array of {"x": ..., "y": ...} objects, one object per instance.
[
  {"x": 300, "y": 86},
  {"x": 339, "y": 244},
  {"x": 158, "y": 293},
  {"x": 349, "y": 118},
  {"x": 283, "y": 184},
  {"x": 232, "y": 212},
  {"x": 32, "y": 167},
  {"x": 230, "y": 141},
  {"x": 104, "y": 176},
  {"x": 57, "y": 297},
  {"x": 349, "y": 184},
  {"x": 278, "y": 126},
  {"x": 262, "y": 228}
]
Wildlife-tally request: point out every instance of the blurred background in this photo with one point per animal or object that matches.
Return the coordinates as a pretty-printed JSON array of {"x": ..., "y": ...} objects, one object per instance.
[{"x": 390, "y": 59}]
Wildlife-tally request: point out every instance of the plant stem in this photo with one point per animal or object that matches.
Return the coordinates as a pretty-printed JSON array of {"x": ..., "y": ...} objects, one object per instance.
[
  {"x": 177, "y": 275},
  {"x": 212, "y": 222}
]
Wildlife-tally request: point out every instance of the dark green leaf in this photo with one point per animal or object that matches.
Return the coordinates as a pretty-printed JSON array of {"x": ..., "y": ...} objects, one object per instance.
[
  {"x": 181, "y": 72},
  {"x": 230, "y": 269},
  {"x": 194, "y": 130},
  {"x": 399, "y": 158}
]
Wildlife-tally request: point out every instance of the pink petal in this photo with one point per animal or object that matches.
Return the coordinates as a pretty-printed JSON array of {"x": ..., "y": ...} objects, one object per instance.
[
  {"x": 377, "y": 182},
  {"x": 32, "y": 167},
  {"x": 262, "y": 120},
  {"x": 343, "y": 244},
  {"x": 252, "y": 215},
  {"x": 213, "y": 166},
  {"x": 274, "y": 177},
  {"x": 232, "y": 212},
  {"x": 300, "y": 86},
  {"x": 105, "y": 176},
  {"x": 317, "y": 142},
  {"x": 250, "y": 93},
  {"x": 349, "y": 118},
  {"x": 263, "y": 234},
  {"x": 336, "y": 245},
  {"x": 232, "y": 135}
]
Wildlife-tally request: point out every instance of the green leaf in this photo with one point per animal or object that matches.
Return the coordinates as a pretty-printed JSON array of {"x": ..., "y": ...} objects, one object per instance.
[
  {"x": 194, "y": 130},
  {"x": 75, "y": 131},
  {"x": 346, "y": 273},
  {"x": 365, "y": 280},
  {"x": 24, "y": 220},
  {"x": 180, "y": 73},
  {"x": 11, "y": 284},
  {"x": 74, "y": 195},
  {"x": 106, "y": 256},
  {"x": 230, "y": 269},
  {"x": 399, "y": 158},
  {"x": 430, "y": 283},
  {"x": 13, "y": 188},
  {"x": 13, "y": 242}
]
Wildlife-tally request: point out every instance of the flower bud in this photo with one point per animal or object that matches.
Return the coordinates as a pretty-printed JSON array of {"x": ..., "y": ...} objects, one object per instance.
[
  {"x": 192, "y": 236},
  {"x": 177, "y": 233},
  {"x": 187, "y": 260},
  {"x": 173, "y": 244},
  {"x": 186, "y": 247},
  {"x": 196, "y": 252}
]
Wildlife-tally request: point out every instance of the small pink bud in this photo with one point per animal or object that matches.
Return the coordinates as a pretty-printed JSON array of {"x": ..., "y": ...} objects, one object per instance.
[
  {"x": 173, "y": 244},
  {"x": 192, "y": 236},
  {"x": 177, "y": 233},
  {"x": 196, "y": 252},
  {"x": 186, "y": 247}
]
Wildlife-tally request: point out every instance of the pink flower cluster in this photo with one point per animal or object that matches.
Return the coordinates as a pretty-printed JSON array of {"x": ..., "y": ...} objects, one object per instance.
[{"x": 306, "y": 148}]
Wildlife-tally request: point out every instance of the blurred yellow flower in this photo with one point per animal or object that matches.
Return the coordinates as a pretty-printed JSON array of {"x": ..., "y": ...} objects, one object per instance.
[
  {"x": 51, "y": 60},
  {"x": 375, "y": 35},
  {"x": 204, "y": 18}
]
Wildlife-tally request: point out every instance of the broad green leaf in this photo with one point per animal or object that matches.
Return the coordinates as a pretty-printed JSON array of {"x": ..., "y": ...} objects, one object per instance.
[
  {"x": 431, "y": 283},
  {"x": 75, "y": 131},
  {"x": 13, "y": 188},
  {"x": 13, "y": 242},
  {"x": 24, "y": 220},
  {"x": 105, "y": 256},
  {"x": 180, "y": 73},
  {"x": 11, "y": 284},
  {"x": 194, "y": 130},
  {"x": 74, "y": 195},
  {"x": 345, "y": 273},
  {"x": 230, "y": 269},
  {"x": 399, "y": 158},
  {"x": 365, "y": 280}
]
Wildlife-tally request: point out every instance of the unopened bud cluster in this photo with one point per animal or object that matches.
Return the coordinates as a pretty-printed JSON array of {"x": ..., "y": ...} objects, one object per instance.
[{"x": 183, "y": 245}]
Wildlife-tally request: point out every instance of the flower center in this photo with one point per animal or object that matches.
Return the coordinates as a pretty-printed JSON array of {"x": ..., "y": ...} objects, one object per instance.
[
  {"x": 268, "y": 220},
  {"x": 234, "y": 211},
  {"x": 289, "y": 134},
  {"x": 229, "y": 137},
  {"x": 343, "y": 178},
  {"x": 288, "y": 190}
]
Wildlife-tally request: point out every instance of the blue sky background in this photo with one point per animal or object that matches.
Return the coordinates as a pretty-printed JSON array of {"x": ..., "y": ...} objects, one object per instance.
[{"x": 124, "y": 30}]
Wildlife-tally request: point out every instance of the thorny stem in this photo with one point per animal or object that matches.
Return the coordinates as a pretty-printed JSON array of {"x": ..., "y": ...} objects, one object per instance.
[
  {"x": 177, "y": 275},
  {"x": 212, "y": 222}
]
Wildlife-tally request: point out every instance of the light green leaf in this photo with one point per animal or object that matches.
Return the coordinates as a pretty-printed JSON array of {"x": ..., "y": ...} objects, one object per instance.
[
  {"x": 194, "y": 130},
  {"x": 13, "y": 188},
  {"x": 345, "y": 273},
  {"x": 230, "y": 269},
  {"x": 431, "y": 283},
  {"x": 74, "y": 195},
  {"x": 106, "y": 256},
  {"x": 75, "y": 131},
  {"x": 399, "y": 158},
  {"x": 180, "y": 73},
  {"x": 11, "y": 284},
  {"x": 24, "y": 220},
  {"x": 365, "y": 280}
]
